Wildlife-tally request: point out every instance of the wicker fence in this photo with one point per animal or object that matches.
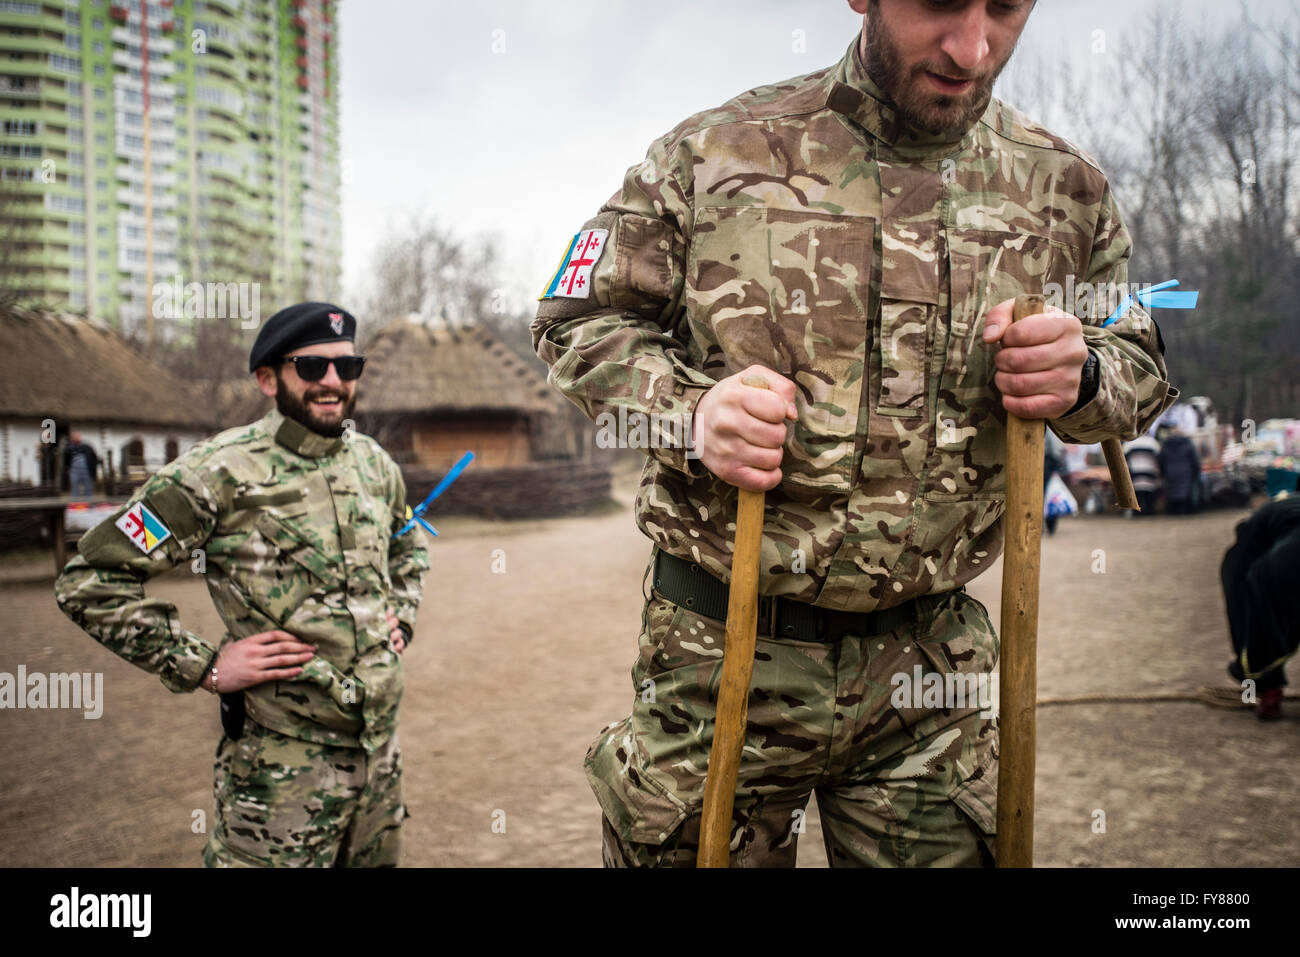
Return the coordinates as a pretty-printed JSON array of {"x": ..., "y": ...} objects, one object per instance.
[{"x": 538, "y": 490}]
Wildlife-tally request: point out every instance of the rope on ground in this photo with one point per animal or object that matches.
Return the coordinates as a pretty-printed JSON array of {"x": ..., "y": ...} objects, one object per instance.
[{"x": 1229, "y": 698}]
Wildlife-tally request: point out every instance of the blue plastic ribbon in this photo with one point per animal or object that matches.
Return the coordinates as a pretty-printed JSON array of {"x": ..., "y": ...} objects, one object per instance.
[
  {"x": 417, "y": 514},
  {"x": 1154, "y": 298}
]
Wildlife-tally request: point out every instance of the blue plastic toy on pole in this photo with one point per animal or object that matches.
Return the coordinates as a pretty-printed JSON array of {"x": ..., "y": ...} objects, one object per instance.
[
  {"x": 416, "y": 516},
  {"x": 1155, "y": 297}
]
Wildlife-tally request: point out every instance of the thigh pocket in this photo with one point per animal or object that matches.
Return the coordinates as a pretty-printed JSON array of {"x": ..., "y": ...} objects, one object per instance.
[
  {"x": 976, "y": 793},
  {"x": 639, "y": 808},
  {"x": 247, "y": 787}
]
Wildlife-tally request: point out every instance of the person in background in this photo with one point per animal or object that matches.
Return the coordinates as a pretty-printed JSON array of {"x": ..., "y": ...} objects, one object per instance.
[
  {"x": 1180, "y": 467},
  {"x": 1259, "y": 577},
  {"x": 81, "y": 464},
  {"x": 1143, "y": 457},
  {"x": 1053, "y": 464}
]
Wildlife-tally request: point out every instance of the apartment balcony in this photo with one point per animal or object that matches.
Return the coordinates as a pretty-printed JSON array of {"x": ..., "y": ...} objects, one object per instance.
[
  {"x": 129, "y": 37},
  {"x": 166, "y": 179},
  {"x": 131, "y": 197},
  {"x": 27, "y": 91},
  {"x": 161, "y": 156}
]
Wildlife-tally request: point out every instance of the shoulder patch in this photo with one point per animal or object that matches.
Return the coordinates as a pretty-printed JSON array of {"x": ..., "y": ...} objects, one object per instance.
[
  {"x": 170, "y": 504},
  {"x": 145, "y": 529},
  {"x": 573, "y": 279}
]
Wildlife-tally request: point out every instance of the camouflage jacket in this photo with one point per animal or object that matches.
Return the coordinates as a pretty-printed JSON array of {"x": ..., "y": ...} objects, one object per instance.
[
  {"x": 805, "y": 227},
  {"x": 293, "y": 531}
]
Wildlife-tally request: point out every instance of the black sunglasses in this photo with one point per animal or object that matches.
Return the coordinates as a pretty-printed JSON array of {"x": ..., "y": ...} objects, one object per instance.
[{"x": 313, "y": 368}]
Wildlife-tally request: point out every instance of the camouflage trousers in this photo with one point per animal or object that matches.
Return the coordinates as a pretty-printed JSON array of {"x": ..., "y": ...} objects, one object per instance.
[
  {"x": 905, "y": 776},
  {"x": 282, "y": 802}
]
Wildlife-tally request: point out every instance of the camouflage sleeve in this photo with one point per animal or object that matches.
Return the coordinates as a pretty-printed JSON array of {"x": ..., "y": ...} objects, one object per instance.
[
  {"x": 102, "y": 587},
  {"x": 621, "y": 346},
  {"x": 1133, "y": 387},
  {"x": 408, "y": 559}
]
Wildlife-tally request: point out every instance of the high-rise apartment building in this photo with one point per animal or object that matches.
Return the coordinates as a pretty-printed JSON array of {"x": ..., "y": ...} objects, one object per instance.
[{"x": 146, "y": 141}]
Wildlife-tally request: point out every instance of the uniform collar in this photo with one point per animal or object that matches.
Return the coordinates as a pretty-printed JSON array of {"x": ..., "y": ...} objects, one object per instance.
[
  {"x": 854, "y": 94},
  {"x": 297, "y": 437}
]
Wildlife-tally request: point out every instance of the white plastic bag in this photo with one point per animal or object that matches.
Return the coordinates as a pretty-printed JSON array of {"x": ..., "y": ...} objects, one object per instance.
[{"x": 1057, "y": 499}]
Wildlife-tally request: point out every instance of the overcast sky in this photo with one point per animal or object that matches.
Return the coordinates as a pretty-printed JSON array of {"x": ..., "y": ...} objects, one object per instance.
[{"x": 517, "y": 118}]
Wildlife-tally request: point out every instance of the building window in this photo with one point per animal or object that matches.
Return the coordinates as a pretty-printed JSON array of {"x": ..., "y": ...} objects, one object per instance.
[
  {"x": 67, "y": 204},
  {"x": 20, "y": 127},
  {"x": 64, "y": 64}
]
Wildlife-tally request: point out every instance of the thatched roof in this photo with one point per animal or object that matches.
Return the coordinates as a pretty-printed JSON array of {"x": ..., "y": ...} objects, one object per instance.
[
  {"x": 414, "y": 366},
  {"x": 72, "y": 368}
]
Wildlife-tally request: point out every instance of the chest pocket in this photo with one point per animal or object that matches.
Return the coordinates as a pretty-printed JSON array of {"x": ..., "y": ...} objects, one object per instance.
[
  {"x": 970, "y": 423},
  {"x": 788, "y": 289},
  {"x": 372, "y": 543},
  {"x": 369, "y": 519},
  {"x": 290, "y": 569}
]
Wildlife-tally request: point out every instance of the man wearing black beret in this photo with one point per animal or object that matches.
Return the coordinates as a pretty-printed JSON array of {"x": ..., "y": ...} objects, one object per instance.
[{"x": 294, "y": 518}]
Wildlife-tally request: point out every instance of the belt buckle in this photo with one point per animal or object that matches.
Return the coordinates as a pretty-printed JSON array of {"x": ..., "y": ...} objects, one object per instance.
[
  {"x": 821, "y": 624},
  {"x": 768, "y": 602}
]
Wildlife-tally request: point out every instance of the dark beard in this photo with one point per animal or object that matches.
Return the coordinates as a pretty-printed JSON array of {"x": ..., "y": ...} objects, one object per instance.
[
  {"x": 931, "y": 112},
  {"x": 292, "y": 408}
]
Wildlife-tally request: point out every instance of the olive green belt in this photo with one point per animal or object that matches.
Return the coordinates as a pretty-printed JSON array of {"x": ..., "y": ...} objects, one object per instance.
[{"x": 687, "y": 584}]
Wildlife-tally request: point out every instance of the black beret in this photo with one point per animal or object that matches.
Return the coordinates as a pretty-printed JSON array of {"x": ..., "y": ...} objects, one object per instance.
[{"x": 303, "y": 324}]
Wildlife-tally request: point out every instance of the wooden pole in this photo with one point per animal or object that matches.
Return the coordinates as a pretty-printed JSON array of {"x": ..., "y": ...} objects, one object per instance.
[
  {"x": 737, "y": 670},
  {"x": 1120, "y": 479},
  {"x": 1019, "y": 657}
]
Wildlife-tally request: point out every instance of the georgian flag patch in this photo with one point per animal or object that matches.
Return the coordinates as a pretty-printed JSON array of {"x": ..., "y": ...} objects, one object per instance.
[
  {"x": 573, "y": 279},
  {"x": 143, "y": 527}
]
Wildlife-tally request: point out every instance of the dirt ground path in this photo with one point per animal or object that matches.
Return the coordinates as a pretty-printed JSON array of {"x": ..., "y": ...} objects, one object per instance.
[{"x": 513, "y": 673}]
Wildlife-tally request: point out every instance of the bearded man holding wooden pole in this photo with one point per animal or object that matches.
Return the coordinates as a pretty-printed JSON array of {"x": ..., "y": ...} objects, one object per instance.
[{"x": 854, "y": 239}]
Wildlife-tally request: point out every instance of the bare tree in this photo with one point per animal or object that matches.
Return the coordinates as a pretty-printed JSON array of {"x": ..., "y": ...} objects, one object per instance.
[{"x": 425, "y": 269}]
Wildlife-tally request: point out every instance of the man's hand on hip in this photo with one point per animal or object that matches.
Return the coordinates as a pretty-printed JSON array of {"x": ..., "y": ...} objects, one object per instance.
[
  {"x": 396, "y": 636},
  {"x": 740, "y": 429},
  {"x": 270, "y": 656},
  {"x": 1040, "y": 362}
]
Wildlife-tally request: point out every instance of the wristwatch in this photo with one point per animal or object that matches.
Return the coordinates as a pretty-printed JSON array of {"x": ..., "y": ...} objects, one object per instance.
[{"x": 1089, "y": 381}]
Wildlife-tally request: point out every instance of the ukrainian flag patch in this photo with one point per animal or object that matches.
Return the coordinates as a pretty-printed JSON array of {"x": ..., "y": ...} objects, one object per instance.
[{"x": 143, "y": 527}]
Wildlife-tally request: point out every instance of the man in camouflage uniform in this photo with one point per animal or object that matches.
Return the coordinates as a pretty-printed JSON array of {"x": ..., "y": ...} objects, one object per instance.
[
  {"x": 292, "y": 518},
  {"x": 855, "y": 237}
]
